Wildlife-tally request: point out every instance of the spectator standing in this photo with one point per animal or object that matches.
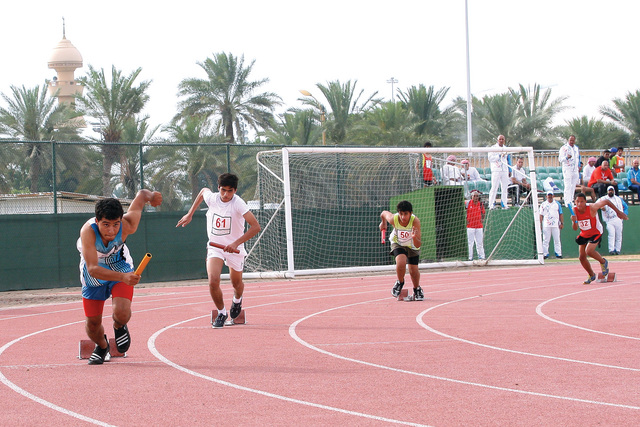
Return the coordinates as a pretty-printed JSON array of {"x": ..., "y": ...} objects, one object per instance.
[
  {"x": 601, "y": 178},
  {"x": 499, "y": 175},
  {"x": 427, "y": 172},
  {"x": 614, "y": 224},
  {"x": 569, "y": 158},
  {"x": 633, "y": 178},
  {"x": 475, "y": 232},
  {"x": 617, "y": 161},
  {"x": 552, "y": 221}
]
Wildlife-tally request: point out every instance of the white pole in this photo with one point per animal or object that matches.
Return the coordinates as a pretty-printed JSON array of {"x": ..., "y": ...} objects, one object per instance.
[
  {"x": 287, "y": 210},
  {"x": 469, "y": 127}
]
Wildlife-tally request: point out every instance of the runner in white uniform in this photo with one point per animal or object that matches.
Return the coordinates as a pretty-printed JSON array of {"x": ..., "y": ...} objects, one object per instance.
[
  {"x": 226, "y": 218},
  {"x": 614, "y": 224}
]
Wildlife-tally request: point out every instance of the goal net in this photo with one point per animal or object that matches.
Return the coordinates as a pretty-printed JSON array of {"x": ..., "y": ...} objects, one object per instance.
[{"x": 319, "y": 208}]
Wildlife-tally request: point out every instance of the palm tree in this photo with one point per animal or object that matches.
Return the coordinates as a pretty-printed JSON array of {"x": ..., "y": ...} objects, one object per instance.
[
  {"x": 594, "y": 133},
  {"x": 113, "y": 105},
  {"x": 134, "y": 131},
  {"x": 296, "y": 127},
  {"x": 31, "y": 115},
  {"x": 344, "y": 104},
  {"x": 495, "y": 115},
  {"x": 388, "y": 124},
  {"x": 424, "y": 105},
  {"x": 179, "y": 171},
  {"x": 536, "y": 112},
  {"x": 626, "y": 113},
  {"x": 228, "y": 96}
]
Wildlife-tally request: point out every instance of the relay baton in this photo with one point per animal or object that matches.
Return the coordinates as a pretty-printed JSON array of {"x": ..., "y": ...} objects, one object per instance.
[
  {"x": 219, "y": 246},
  {"x": 143, "y": 264},
  {"x": 382, "y": 233}
]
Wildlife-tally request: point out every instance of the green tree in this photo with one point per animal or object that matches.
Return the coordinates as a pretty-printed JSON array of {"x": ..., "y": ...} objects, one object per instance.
[
  {"x": 113, "y": 104},
  {"x": 388, "y": 124},
  {"x": 536, "y": 112},
  {"x": 228, "y": 96},
  {"x": 180, "y": 169},
  {"x": 495, "y": 115},
  {"x": 134, "y": 131},
  {"x": 594, "y": 133},
  {"x": 345, "y": 107},
  {"x": 31, "y": 115},
  {"x": 296, "y": 127},
  {"x": 423, "y": 104},
  {"x": 626, "y": 113}
]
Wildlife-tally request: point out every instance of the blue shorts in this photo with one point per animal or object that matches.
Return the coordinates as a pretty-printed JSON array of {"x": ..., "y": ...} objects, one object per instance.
[{"x": 100, "y": 293}]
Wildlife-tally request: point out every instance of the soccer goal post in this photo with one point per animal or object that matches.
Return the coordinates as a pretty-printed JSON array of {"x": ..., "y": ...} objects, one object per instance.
[{"x": 320, "y": 207}]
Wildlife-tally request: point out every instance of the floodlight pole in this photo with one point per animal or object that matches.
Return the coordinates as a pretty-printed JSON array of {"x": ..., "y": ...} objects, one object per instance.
[{"x": 469, "y": 105}]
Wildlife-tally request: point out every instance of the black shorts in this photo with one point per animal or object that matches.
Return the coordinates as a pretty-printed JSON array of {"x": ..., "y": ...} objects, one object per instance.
[
  {"x": 584, "y": 240},
  {"x": 413, "y": 257}
]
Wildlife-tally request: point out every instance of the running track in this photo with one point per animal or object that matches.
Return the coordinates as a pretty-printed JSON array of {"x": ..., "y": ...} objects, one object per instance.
[{"x": 523, "y": 346}]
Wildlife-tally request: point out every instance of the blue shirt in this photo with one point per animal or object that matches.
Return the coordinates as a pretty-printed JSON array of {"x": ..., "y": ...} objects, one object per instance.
[{"x": 633, "y": 174}]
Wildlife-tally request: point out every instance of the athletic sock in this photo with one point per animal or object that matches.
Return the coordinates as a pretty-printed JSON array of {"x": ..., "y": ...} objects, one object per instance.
[
  {"x": 223, "y": 311},
  {"x": 236, "y": 300}
]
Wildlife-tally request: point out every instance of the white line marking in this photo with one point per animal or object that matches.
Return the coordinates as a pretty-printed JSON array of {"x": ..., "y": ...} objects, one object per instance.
[
  {"x": 292, "y": 333},
  {"x": 539, "y": 312},
  {"x": 544, "y": 356},
  {"x": 151, "y": 344},
  {"x": 35, "y": 398}
]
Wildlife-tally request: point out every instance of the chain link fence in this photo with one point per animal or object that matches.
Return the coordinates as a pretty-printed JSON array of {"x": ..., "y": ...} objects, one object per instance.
[{"x": 68, "y": 177}]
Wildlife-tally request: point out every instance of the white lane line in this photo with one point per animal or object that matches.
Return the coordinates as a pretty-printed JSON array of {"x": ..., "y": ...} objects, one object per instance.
[
  {"x": 524, "y": 353},
  {"x": 542, "y": 304},
  {"x": 294, "y": 335},
  {"x": 37, "y": 399},
  {"x": 151, "y": 344}
]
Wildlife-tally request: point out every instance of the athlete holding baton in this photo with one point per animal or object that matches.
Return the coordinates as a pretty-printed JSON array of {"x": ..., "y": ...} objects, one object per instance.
[
  {"x": 226, "y": 219},
  {"x": 585, "y": 217}
]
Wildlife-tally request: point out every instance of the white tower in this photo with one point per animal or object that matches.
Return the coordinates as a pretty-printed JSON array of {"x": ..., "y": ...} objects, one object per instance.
[{"x": 65, "y": 58}]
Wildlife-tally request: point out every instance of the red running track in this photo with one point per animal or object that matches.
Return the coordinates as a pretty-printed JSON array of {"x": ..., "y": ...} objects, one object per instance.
[{"x": 523, "y": 346}]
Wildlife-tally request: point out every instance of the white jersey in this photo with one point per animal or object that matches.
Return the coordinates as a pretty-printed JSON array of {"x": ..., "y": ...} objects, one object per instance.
[
  {"x": 609, "y": 214},
  {"x": 569, "y": 164},
  {"x": 225, "y": 221},
  {"x": 550, "y": 213},
  {"x": 499, "y": 161}
]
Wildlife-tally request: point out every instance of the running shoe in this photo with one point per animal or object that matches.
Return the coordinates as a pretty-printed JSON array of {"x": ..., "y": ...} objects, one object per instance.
[
  {"x": 219, "y": 322},
  {"x": 123, "y": 339},
  {"x": 605, "y": 267},
  {"x": 397, "y": 288},
  {"x": 418, "y": 295},
  {"x": 100, "y": 355},
  {"x": 236, "y": 308},
  {"x": 589, "y": 280}
]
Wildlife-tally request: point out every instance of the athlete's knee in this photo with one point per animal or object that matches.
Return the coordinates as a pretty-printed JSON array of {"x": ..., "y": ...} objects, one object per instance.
[{"x": 93, "y": 323}]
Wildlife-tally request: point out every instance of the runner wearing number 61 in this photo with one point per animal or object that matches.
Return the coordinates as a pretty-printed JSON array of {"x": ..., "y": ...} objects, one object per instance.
[
  {"x": 405, "y": 242},
  {"x": 226, "y": 218}
]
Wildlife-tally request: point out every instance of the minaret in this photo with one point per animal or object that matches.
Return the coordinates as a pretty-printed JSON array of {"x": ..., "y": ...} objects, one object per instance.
[{"x": 65, "y": 58}]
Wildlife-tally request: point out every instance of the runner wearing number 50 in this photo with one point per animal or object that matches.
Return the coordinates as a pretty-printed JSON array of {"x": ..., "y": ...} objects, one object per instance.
[
  {"x": 585, "y": 217},
  {"x": 226, "y": 218},
  {"x": 405, "y": 242}
]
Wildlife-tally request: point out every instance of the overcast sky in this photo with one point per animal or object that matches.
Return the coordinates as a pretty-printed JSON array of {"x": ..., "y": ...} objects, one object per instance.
[{"x": 584, "y": 50}]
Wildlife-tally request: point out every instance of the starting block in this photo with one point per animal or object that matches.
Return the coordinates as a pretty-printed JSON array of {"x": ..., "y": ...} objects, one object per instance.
[
  {"x": 611, "y": 277},
  {"x": 86, "y": 347},
  {"x": 240, "y": 320},
  {"x": 403, "y": 295}
]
